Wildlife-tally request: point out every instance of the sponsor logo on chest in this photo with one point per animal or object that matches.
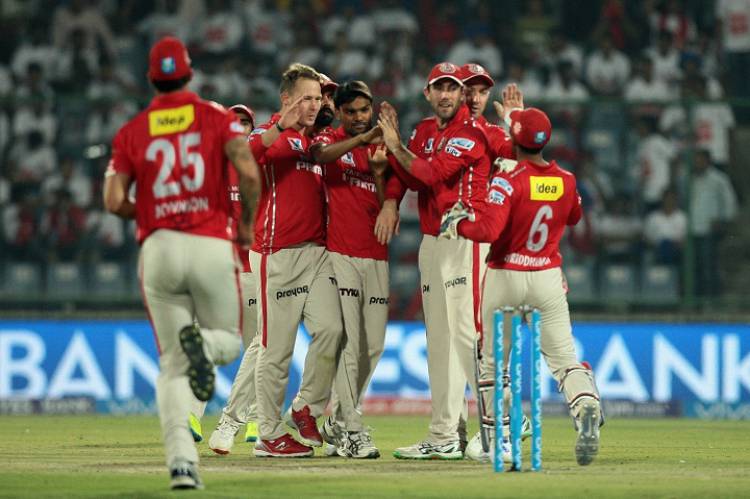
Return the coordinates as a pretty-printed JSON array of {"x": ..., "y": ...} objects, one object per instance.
[
  {"x": 296, "y": 144},
  {"x": 348, "y": 159},
  {"x": 429, "y": 146},
  {"x": 546, "y": 188}
]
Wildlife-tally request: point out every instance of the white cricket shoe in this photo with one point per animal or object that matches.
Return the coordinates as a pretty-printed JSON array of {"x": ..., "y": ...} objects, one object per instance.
[
  {"x": 430, "y": 450},
  {"x": 332, "y": 433},
  {"x": 222, "y": 438},
  {"x": 475, "y": 451},
  {"x": 184, "y": 475},
  {"x": 587, "y": 443},
  {"x": 358, "y": 445}
]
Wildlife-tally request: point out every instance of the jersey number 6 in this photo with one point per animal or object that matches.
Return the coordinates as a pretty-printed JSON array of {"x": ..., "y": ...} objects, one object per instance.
[
  {"x": 163, "y": 186},
  {"x": 539, "y": 227}
]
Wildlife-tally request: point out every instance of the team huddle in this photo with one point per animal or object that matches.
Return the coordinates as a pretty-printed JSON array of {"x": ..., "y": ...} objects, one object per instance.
[{"x": 248, "y": 230}]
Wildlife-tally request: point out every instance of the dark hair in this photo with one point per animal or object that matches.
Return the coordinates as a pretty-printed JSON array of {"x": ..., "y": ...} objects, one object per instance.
[
  {"x": 349, "y": 91},
  {"x": 526, "y": 150},
  {"x": 165, "y": 86}
]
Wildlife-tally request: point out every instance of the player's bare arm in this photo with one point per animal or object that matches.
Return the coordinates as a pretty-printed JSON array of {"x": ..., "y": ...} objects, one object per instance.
[
  {"x": 239, "y": 154},
  {"x": 116, "y": 195},
  {"x": 387, "y": 222},
  {"x": 325, "y": 153},
  {"x": 378, "y": 162}
]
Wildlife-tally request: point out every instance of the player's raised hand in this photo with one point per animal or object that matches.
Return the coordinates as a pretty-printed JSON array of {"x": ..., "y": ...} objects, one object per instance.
[
  {"x": 378, "y": 160},
  {"x": 386, "y": 109},
  {"x": 512, "y": 96},
  {"x": 391, "y": 135},
  {"x": 291, "y": 116}
]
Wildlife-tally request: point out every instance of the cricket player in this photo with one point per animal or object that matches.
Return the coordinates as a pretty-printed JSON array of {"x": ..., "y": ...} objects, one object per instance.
[
  {"x": 360, "y": 262},
  {"x": 447, "y": 430},
  {"x": 295, "y": 278},
  {"x": 529, "y": 203},
  {"x": 176, "y": 151},
  {"x": 241, "y": 407}
]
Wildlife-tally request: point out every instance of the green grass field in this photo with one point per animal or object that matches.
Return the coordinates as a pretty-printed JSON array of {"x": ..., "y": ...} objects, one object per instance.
[{"x": 108, "y": 456}]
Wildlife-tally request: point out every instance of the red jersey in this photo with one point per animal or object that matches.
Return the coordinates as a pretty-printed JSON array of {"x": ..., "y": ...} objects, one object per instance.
[
  {"x": 353, "y": 204},
  {"x": 499, "y": 142},
  {"x": 422, "y": 143},
  {"x": 528, "y": 207},
  {"x": 459, "y": 168},
  {"x": 291, "y": 208},
  {"x": 235, "y": 202},
  {"x": 174, "y": 150}
]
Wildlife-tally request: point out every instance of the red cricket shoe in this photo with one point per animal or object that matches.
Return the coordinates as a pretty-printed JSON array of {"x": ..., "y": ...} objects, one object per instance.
[
  {"x": 307, "y": 427},
  {"x": 284, "y": 446}
]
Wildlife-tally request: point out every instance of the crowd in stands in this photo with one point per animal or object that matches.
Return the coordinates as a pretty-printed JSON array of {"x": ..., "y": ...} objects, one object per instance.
[{"x": 635, "y": 90}]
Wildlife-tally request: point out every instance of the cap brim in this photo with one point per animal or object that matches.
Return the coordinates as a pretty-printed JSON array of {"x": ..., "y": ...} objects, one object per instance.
[
  {"x": 445, "y": 77},
  {"x": 329, "y": 87}
]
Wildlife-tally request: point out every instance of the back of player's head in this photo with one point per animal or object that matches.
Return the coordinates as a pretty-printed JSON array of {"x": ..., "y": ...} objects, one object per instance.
[
  {"x": 349, "y": 91},
  {"x": 294, "y": 73},
  {"x": 530, "y": 129},
  {"x": 169, "y": 64}
]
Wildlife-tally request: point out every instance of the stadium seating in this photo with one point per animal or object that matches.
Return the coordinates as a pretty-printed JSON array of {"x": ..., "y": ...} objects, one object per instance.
[
  {"x": 618, "y": 283},
  {"x": 660, "y": 284},
  {"x": 581, "y": 282},
  {"x": 108, "y": 279},
  {"x": 65, "y": 280},
  {"x": 22, "y": 279}
]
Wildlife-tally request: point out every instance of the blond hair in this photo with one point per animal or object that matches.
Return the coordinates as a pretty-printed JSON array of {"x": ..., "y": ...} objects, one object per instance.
[{"x": 294, "y": 72}]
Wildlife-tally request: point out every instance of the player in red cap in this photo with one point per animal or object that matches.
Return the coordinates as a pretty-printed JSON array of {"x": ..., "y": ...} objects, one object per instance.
[
  {"x": 529, "y": 203},
  {"x": 176, "y": 152},
  {"x": 295, "y": 279},
  {"x": 447, "y": 161}
]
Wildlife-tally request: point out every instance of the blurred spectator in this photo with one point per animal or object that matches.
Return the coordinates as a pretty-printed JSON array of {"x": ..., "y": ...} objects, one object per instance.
[
  {"x": 643, "y": 87},
  {"x": 665, "y": 230},
  {"x": 21, "y": 229},
  {"x": 672, "y": 17},
  {"x": 691, "y": 70},
  {"x": 713, "y": 206},
  {"x": 733, "y": 22},
  {"x": 619, "y": 231},
  {"x": 6, "y": 81},
  {"x": 615, "y": 24},
  {"x": 347, "y": 62},
  {"x": 413, "y": 83},
  {"x": 35, "y": 48},
  {"x": 666, "y": 59},
  {"x": 70, "y": 178},
  {"x": 33, "y": 87},
  {"x": 83, "y": 16},
  {"x": 64, "y": 228},
  {"x": 566, "y": 91},
  {"x": 532, "y": 31},
  {"x": 108, "y": 117},
  {"x": 390, "y": 15},
  {"x": 480, "y": 48},
  {"x": 269, "y": 28},
  {"x": 359, "y": 27},
  {"x": 528, "y": 82},
  {"x": 106, "y": 234},
  {"x": 655, "y": 156},
  {"x": 5, "y": 134},
  {"x": 77, "y": 64},
  {"x": 306, "y": 51},
  {"x": 607, "y": 69},
  {"x": 221, "y": 31},
  {"x": 35, "y": 117},
  {"x": 33, "y": 160},
  {"x": 441, "y": 28},
  {"x": 165, "y": 21},
  {"x": 5, "y": 187},
  {"x": 711, "y": 122},
  {"x": 559, "y": 49},
  {"x": 110, "y": 83}
]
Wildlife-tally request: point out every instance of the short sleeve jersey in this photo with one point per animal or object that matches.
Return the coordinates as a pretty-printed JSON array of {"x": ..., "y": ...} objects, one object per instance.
[
  {"x": 528, "y": 207},
  {"x": 174, "y": 151}
]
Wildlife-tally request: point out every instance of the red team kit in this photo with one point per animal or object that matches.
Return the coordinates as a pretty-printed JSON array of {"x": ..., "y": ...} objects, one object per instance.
[{"x": 308, "y": 236}]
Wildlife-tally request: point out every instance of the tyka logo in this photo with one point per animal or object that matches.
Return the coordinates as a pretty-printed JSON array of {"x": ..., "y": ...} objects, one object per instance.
[{"x": 349, "y": 292}]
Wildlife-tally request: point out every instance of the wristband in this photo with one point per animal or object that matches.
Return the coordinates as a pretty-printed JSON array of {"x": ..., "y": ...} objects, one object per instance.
[{"x": 278, "y": 127}]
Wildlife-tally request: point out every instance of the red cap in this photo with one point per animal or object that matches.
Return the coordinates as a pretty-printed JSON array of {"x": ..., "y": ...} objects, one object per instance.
[
  {"x": 475, "y": 71},
  {"x": 168, "y": 60},
  {"x": 327, "y": 84},
  {"x": 445, "y": 70},
  {"x": 530, "y": 128},
  {"x": 243, "y": 109}
]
